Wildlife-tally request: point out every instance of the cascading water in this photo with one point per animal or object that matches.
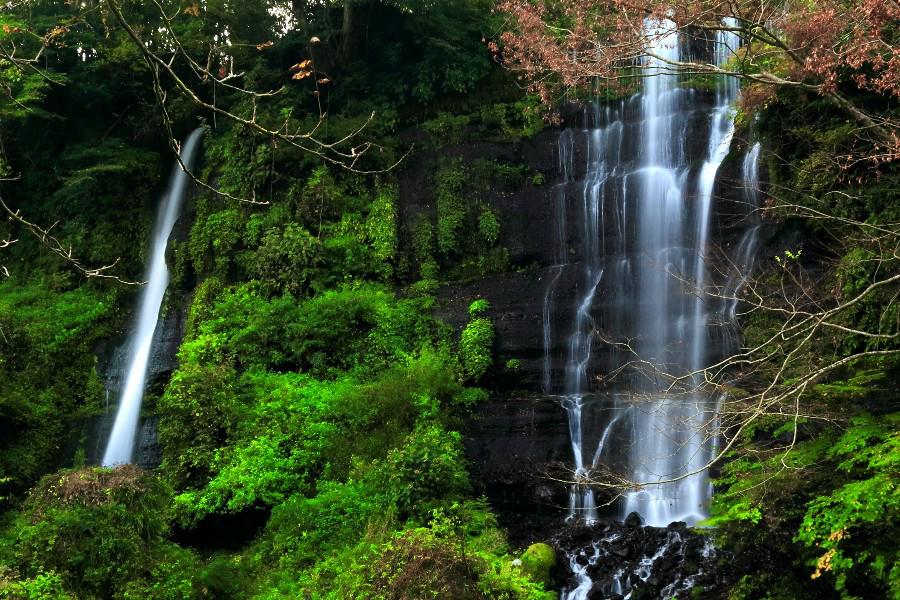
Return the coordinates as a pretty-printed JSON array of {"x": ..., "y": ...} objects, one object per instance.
[
  {"x": 642, "y": 217},
  {"x": 121, "y": 442},
  {"x": 745, "y": 251},
  {"x": 638, "y": 177},
  {"x": 676, "y": 431}
]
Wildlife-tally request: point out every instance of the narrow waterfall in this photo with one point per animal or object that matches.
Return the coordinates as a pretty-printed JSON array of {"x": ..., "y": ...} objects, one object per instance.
[
  {"x": 121, "y": 442},
  {"x": 643, "y": 219},
  {"x": 744, "y": 254}
]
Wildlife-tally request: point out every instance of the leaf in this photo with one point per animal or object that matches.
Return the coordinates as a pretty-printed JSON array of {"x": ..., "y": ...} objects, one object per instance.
[
  {"x": 302, "y": 75},
  {"x": 303, "y": 65},
  {"x": 265, "y": 45}
]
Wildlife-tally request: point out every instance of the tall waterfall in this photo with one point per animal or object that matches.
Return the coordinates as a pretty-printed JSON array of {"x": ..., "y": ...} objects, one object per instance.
[
  {"x": 121, "y": 442},
  {"x": 643, "y": 214}
]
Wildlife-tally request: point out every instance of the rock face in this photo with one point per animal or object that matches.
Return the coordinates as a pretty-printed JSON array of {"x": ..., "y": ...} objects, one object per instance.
[
  {"x": 529, "y": 229},
  {"x": 516, "y": 444}
]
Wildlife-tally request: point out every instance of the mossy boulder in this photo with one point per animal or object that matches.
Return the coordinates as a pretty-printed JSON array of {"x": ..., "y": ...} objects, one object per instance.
[{"x": 538, "y": 560}]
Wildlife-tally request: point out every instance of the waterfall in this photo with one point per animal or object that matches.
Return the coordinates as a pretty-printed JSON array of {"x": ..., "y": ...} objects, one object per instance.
[
  {"x": 643, "y": 285},
  {"x": 744, "y": 254},
  {"x": 676, "y": 431},
  {"x": 121, "y": 442}
]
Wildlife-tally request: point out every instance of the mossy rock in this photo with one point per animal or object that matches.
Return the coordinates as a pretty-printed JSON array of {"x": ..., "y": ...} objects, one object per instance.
[{"x": 538, "y": 560}]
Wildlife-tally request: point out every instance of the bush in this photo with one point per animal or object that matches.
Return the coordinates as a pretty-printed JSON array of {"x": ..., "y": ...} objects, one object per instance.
[
  {"x": 43, "y": 586},
  {"x": 427, "y": 468},
  {"x": 381, "y": 229},
  {"x": 48, "y": 373},
  {"x": 98, "y": 528},
  {"x": 476, "y": 342},
  {"x": 451, "y": 211},
  {"x": 419, "y": 565},
  {"x": 286, "y": 260},
  {"x": 489, "y": 226}
]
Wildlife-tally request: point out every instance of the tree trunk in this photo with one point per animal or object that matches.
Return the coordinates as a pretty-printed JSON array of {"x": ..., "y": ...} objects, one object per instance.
[{"x": 352, "y": 29}]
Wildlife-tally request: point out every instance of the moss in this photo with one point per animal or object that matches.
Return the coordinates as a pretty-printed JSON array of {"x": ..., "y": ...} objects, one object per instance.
[
  {"x": 451, "y": 211},
  {"x": 538, "y": 560}
]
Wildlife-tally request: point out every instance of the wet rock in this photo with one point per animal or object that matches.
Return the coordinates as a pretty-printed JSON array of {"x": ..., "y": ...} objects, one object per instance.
[
  {"x": 648, "y": 562},
  {"x": 597, "y": 592},
  {"x": 633, "y": 520}
]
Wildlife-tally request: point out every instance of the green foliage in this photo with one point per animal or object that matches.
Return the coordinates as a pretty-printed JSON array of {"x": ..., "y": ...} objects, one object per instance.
[
  {"x": 478, "y": 307},
  {"x": 425, "y": 470},
  {"x": 417, "y": 50},
  {"x": 47, "y": 376},
  {"x": 489, "y": 226},
  {"x": 336, "y": 515},
  {"x": 302, "y": 388},
  {"x": 855, "y": 271},
  {"x": 854, "y": 527},
  {"x": 466, "y": 233},
  {"x": 43, "y": 586},
  {"x": 523, "y": 118},
  {"x": 213, "y": 238},
  {"x": 476, "y": 342},
  {"x": 286, "y": 260},
  {"x": 447, "y": 128},
  {"x": 449, "y": 182},
  {"x": 459, "y": 555},
  {"x": 197, "y": 410},
  {"x": 97, "y": 528},
  {"x": 381, "y": 229},
  {"x": 767, "y": 586}
]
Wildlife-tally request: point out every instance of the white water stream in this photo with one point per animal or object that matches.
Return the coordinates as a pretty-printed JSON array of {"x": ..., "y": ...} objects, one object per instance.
[
  {"x": 120, "y": 448},
  {"x": 646, "y": 285}
]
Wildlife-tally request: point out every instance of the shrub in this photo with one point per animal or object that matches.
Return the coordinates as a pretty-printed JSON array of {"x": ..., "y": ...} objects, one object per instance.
[
  {"x": 98, "y": 528},
  {"x": 428, "y": 467},
  {"x": 286, "y": 260},
  {"x": 489, "y": 226},
  {"x": 43, "y": 586},
  {"x": 47, "y": 373},
  {"x": 381, "y": 229},
  {"x": 476, "y": 342},
  {"x": 198, "y": 411},
  {"x": 212, "y": 240},
  {"x": 419, "y": 565},
  {"x": 451, "y": 211}
]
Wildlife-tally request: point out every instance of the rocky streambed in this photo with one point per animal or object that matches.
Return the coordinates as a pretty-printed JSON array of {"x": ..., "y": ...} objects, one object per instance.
[{"x": 627, "y": 561}]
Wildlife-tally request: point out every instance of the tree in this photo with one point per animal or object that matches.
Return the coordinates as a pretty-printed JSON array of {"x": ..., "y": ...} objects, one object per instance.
[{"x": 838, "y": 49}]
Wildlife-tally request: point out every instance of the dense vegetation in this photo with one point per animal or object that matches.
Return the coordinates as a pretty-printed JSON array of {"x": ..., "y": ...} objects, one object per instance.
[{"x": 310, "y": 435}]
